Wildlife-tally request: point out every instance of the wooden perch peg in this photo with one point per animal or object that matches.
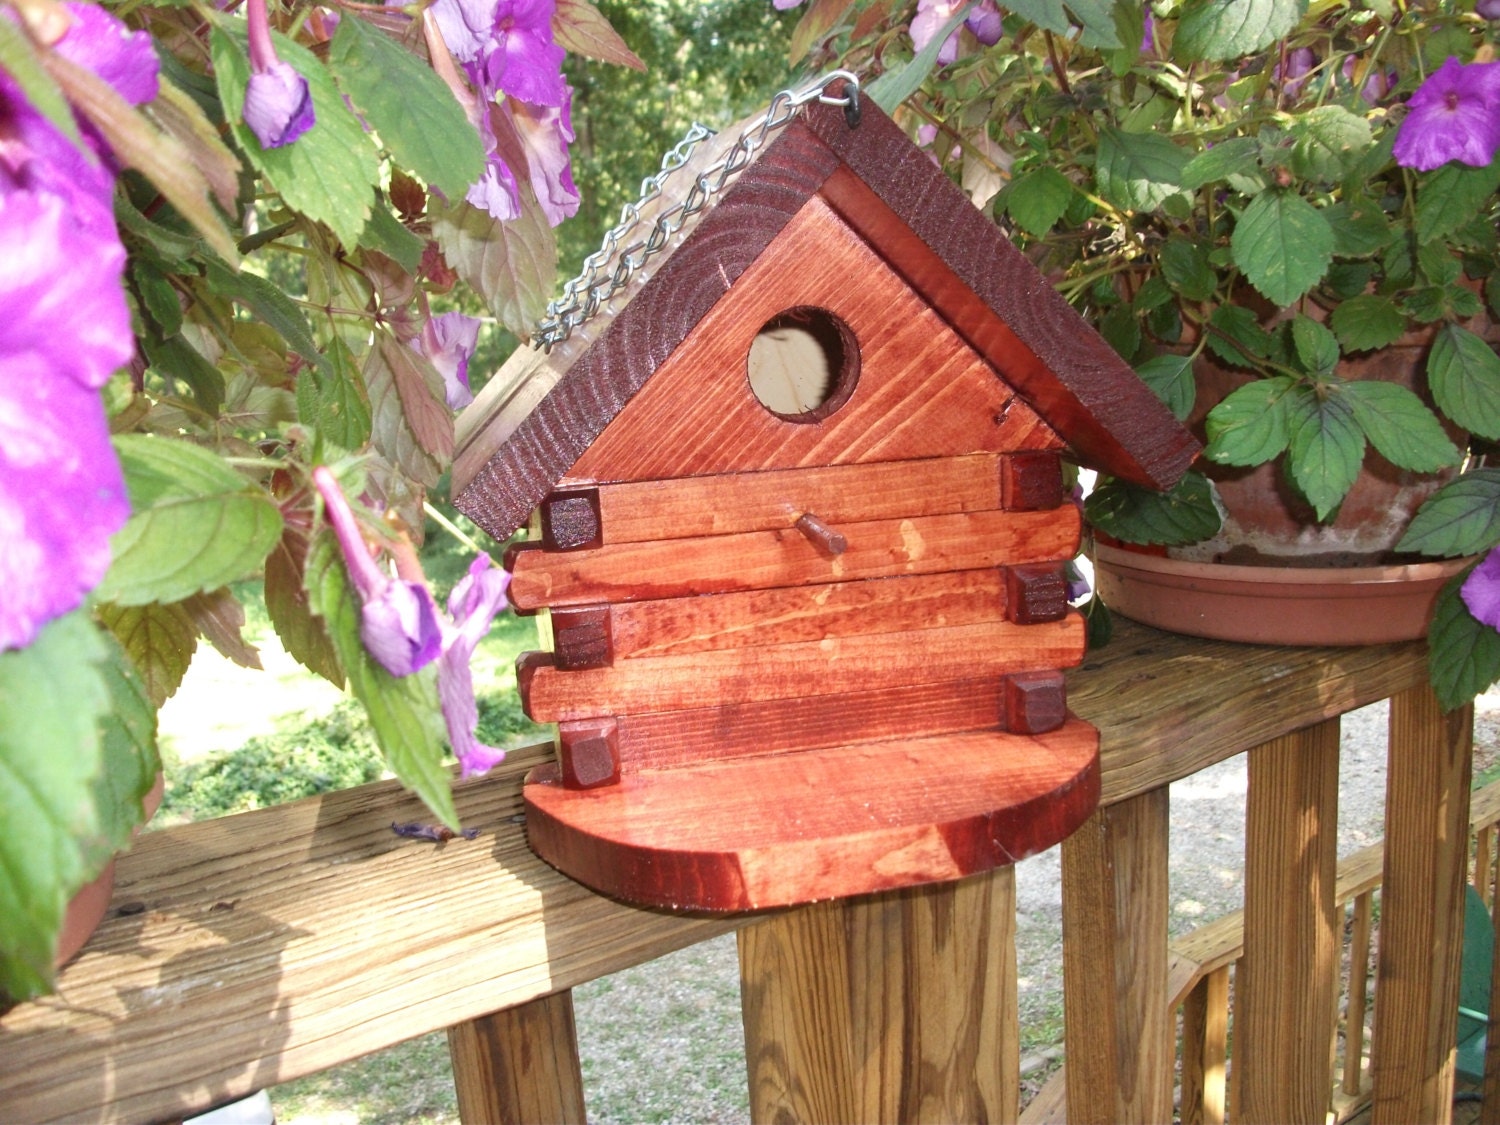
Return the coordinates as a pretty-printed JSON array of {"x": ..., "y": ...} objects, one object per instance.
[{"x": 828, "y": 541}]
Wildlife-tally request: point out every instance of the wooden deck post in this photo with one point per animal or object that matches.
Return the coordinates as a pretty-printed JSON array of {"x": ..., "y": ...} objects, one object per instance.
[
  {"x": 1119, "y": 1030},
  {"x": 1421, "y": 909},
  {"x": 519, "y": 1066},
  {"x": 1284, "y": 998},
  {"x": 893, "y": 1007}
]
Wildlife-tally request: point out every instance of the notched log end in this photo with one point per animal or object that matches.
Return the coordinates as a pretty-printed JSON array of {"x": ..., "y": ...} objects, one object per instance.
[
  {"x": 590, "y": 754},
  {"x": 1033, "y": 702},
  {"x": 571, "y": 520}
]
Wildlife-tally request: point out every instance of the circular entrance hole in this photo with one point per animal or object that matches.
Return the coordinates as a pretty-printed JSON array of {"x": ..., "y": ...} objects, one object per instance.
[{"x": 803, "y": 364}]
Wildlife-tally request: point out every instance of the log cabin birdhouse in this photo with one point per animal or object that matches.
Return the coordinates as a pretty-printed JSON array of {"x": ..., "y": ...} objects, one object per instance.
[{"x": 799, "y": 528}]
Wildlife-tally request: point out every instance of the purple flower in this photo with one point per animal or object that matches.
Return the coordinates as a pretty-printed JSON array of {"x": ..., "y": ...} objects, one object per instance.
[
  {"x": 932, "y": 15},
  {"x": 783, "y": 5},
  {"x": 448, "y": 341},
  {"x": 546, "y": 132},
  {"x": 1292, "y": 73},
  {"x": 123, "y": 58},
  {"x": 1489, "y": 9},
  {"x": 398, "y": 621},
  {"x": 1454, "y": 115},
  {"x": 1481, "y": 590},
  {"x": 495, "y": 191},
  {"x": 506, "y": 45},
  {"x": 64, "y": 327},
  {"x": 475, "y": 601},
  {"x": 278, "y": 103}
]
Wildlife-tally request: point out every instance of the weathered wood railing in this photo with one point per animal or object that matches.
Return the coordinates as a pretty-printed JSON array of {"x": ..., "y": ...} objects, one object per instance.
[{"x": 251, "y": 950}]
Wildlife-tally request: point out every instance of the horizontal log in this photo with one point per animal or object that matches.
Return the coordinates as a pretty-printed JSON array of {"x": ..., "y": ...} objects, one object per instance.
[
  {"x": 663, "y": 739},
  {"x": 675, "y": 626},
  {"x": 769, "y": 831},
  {"x": 759, "y": 560},
  {"x": 838, "y": 664},
  {"x": 640, "y": 511}
]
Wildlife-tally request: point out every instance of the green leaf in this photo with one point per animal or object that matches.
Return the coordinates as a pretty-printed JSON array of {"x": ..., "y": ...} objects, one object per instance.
[
  {"x": 821, "y": 17},
  {"x": 390, "y": 429},
  {"x": 1463, "y": 655},
  {"x": 1170, "y": 378},
  {"x": 385, "y": 232},
  {"x": 130, "y": 762},
  {"x": 1400, "y": 426},
  {"x": 1038, "y": 198},
  {"x": 1316, "y": 347},
  {"x": 52, "y": 695},
  {"x": 177, "y": 360},
  {"x": 1139, "y": 171},
  {"x": 1121, "y": 330},
  {"x": 418, "y": 118},
  {"x": 330, "y": 172},
  {"x": 1367, "y": 322},
  {"x": 303, "y": 634},
  {"x": 1283, "y": 245},
  {"x": 1451, "y": 196},
  {"x": 1359, "y": 230},
  {"x": 1464, "y": 374},
  {"x": 580, "y": 29},
  {"x": 1251, "y": 425},
  {"x": 895, "y": 86},
  {"x": 160, "y": 641},
  {"x": 1223, "y": 29},
  {"x": 333, "y": 399},
  {"x": 156, "y": 295},
  {"x": 512, "y": 264},
  {"x": 196, "y": 524},
  {"x": 1236, "y": 336},
  {"x": 403, "y": 711},
  {"x": 1185, "y": 265},
  {"x": 1226, "y": 159},
  {"x": 1461, "y": 518},
  {"x": 1139, "y": 515},
  {"x": 1327, "y": 141},
  {"x": 270, "y": 305},
  {"x": 1326, "y": 449},
  {"x": 1098, "y": 20},
  {"x": 1049, "y": 15}
]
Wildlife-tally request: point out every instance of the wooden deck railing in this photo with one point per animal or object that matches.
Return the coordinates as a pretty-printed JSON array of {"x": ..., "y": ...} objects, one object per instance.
[{"x": 250, "y": 950}]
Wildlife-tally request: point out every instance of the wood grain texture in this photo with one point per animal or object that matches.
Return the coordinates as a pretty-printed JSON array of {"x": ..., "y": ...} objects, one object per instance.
[
  {"x": 1034, "y": 702},
  {"x": 737, "y": 730},
  {"x": 770, "y": 831},
  {"x": 675, "y": 626},
  {"x": 722, "y": 504},
  {"x": 1119, "y": 1030},
  {"x": 898, "y": 1007},
  {"x": 789, "y": 671},
  {"x": 571, "y": 520},
  {"x": 595, "y": 375},
  {"x": 519, "y": 1065},
  {"x": 1421, "y": 909},
  {"x": 588, "y": 753},
  {"x": 1205, "y": 1033},
  {"x": 1284, "y": 1011},
  {"x": 921, "y": 393},
  {"x": 957, "y": 259},
  {"x": 1031, "y": 481},
  {"x": 582, "y": 637},
  {"x": 759, "y": 560}
]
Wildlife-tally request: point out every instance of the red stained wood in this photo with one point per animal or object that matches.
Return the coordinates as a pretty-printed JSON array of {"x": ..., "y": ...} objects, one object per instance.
[
  {"x": 598, "y": 371},
  {"x": 637, "y": 511},
  {"x": 581, "y": 637},
  {"x": 770, "y": 559},
  {"x": 922, "y": 392},
  {"x": 589, "y": 754},
  {"x": 1034, "y": 702},
  {"x": 570, "y": 520},
  {"x": 804, "y": 613},
  {"x": 1031, "y": 481},
  {"x": 1035, "y": 593},
  {"x": 958, "y": 260},
  {"x": 738, "y": 730},
  {"x": 762, "y": 832},
  {"x": 844, "y": 664}
]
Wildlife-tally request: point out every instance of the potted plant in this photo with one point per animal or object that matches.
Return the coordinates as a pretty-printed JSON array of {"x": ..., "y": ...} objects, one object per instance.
[
  {"x": 245, "y": 255},
  {"x": 1262, "y": 207}
]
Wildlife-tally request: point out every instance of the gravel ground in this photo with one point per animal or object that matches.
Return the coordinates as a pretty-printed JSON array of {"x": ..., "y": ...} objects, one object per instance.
[{"x": 664, "y": 1043}]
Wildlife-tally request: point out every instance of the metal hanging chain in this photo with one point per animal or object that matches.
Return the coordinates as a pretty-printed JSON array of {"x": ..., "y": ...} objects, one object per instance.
[{"x": 610, "y": 268}]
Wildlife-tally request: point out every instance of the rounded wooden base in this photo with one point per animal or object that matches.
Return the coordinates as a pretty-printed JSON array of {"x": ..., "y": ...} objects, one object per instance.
[{"x": 751, "y": 833}]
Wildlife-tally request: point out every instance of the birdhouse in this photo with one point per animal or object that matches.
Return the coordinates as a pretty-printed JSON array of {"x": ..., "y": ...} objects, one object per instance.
[{"x": 798, "y": 528}]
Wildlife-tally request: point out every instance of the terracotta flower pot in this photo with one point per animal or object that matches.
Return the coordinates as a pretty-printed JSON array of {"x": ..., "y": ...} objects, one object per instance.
[{"x": 87, "y": 908}]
